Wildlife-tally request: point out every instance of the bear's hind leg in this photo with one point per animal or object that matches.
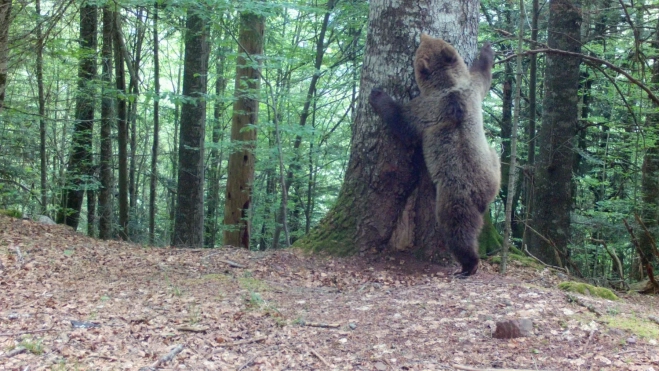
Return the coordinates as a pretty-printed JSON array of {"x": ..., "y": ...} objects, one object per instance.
[{"x": 459, "y": 225}]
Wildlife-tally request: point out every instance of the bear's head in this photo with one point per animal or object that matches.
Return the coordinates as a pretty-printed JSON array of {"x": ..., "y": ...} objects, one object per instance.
[{"x": 437, "y": 65}]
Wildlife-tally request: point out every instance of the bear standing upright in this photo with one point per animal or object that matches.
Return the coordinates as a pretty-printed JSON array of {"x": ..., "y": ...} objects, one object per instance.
[{"x": 448, "y": 122}]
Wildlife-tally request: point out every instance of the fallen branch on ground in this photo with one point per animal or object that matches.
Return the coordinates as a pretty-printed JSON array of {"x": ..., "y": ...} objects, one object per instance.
[
  {"x": 246, "y": 364},
  {"x": 562, "y": 270},
  {"x": 242, "y": 342},
  {"x": 578, "y": 301},
  {"x": 16, "y": 351},
  {"x": 26, "y": 332},
  {"x": 168, "y": 357},
  {"x": 192, "y": 329},
  {"x": 320, "y": 324},
  {"x": 467, "y": 368},
  {"x": 320, "y": 358},
  {"x": 227, "y": 262}
]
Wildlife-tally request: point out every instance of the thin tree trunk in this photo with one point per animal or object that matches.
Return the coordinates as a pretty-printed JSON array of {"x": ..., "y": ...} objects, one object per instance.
[
  {"x": 42, "y": 112},
  {"x": 216, "y": 153},
  {"x": 80, "y": 161},
  {"x": 554, "y": 164},
  {"x": 243, "y": 132},
  {"x": 304, "y": 115},
  {"x": 91, "y": 213},
  {"x": 5, "y": 22},
  {"x": 153, "y": 179},
  {"x": 105, "y": 199},
  {"x": 132, "y": 123},
  {"x": 531, "y": 132},
  {"x": 650, "y": 179},
  {"x": 512, "y": 167},
  {"x": 189, "y": 223},
  {"x": 122, "y": 131}
]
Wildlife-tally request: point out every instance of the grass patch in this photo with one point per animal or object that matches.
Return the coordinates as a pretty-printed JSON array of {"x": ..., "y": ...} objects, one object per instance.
[
  {"x": 252, "y": 284},
  {"x": 33, "y": 346},
  {"x": 638, "y": 326},
  {"x": 524, "y": 261},
  {"x": 586, "y": 289},
  {"x": 215, "y": 277}
]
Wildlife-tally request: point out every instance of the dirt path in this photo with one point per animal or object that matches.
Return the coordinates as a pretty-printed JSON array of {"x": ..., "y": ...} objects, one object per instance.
[{"x": 238, "y": 310}]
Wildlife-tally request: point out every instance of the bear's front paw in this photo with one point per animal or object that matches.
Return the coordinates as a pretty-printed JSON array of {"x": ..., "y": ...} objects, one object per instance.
[
  {"x": 379, "y": 100},
  {"x": 487, "y": 53}
]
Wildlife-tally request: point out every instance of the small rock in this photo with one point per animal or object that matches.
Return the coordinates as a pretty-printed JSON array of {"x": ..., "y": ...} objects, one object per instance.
[
  {"x": 380, "y": 366},
  {"x": 84, "y": 324},
  {"x": 616, "y": 332},
  {"x": 513, "y": 329},
  {"x": 352, "y": 326},
  {"x": 631, "y": 340},
  {"x": 43, "y": 219}
]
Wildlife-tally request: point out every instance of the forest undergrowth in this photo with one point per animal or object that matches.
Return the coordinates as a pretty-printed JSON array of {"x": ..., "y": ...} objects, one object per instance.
[{"x": 69, "y": 302}]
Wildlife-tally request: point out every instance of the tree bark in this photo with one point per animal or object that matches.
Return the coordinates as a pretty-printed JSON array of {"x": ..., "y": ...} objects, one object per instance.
[
  {"x": 105, "y": 199},
  {"x": 42, "y": 112},
  {"x": 132, "y": 118},
  {"x": 5, "y": 22},
  {"x": 189, "y": 222},
  {"x": 387, "y": 199},
  {"x": 153, "y": 179},
  {"x": 650, "y": 178},
  {"x": 122, "y": 128},
  {"x": 174, "y": 153},
  {"x": 553, "y": 171},
  {"x": 243, "y": 131},
  {"x": 80, "y": 161},
  {"x": 531, "y": 131},
  {"x": 216, "y": 154}
]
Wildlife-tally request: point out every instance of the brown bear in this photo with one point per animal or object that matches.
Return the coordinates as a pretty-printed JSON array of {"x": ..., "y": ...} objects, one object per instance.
[{"x": 447, "y": 120}]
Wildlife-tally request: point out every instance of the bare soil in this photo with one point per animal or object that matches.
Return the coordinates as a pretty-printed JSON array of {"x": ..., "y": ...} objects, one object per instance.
[{"x": 69, "y": 302}]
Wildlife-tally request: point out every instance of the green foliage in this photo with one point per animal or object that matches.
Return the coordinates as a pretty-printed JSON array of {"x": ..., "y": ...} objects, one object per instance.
[
  {"x": 634, "y": 323},
  {"x": 11, "y": 213},
  {"x": 32, "y": 345},
  {"x": 586, "y": 289},
  {"x": 524, "y": 261}
]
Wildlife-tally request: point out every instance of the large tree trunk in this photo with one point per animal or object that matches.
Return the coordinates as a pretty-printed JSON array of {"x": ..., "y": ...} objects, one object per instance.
[
  {"x": 387, "y": 199},
  {"x": 553, "y": 170},
  {"x": 243, "y": 133},
  {"x": 80, "y": 161},
  {"x": 189, "y": 222},
  {"x": 5, "y": 22}
]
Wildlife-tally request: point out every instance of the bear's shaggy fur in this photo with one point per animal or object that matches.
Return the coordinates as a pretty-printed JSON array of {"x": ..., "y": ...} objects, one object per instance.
[{"x": 446, "y": 119}]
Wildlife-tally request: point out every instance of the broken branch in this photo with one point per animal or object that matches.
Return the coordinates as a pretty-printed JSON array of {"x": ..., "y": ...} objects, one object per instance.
[{"x": 242, "y": 342}]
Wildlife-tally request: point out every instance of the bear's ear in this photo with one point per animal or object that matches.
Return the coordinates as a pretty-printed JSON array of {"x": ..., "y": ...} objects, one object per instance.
[
  {"x": 448, "y": 56},
  {"x": 425, "y": 37},
  {"x": 423, "y": 63}
]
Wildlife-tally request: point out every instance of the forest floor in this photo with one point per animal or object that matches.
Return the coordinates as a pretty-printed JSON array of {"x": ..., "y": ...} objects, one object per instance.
[{"x": 69, "y": 302}]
